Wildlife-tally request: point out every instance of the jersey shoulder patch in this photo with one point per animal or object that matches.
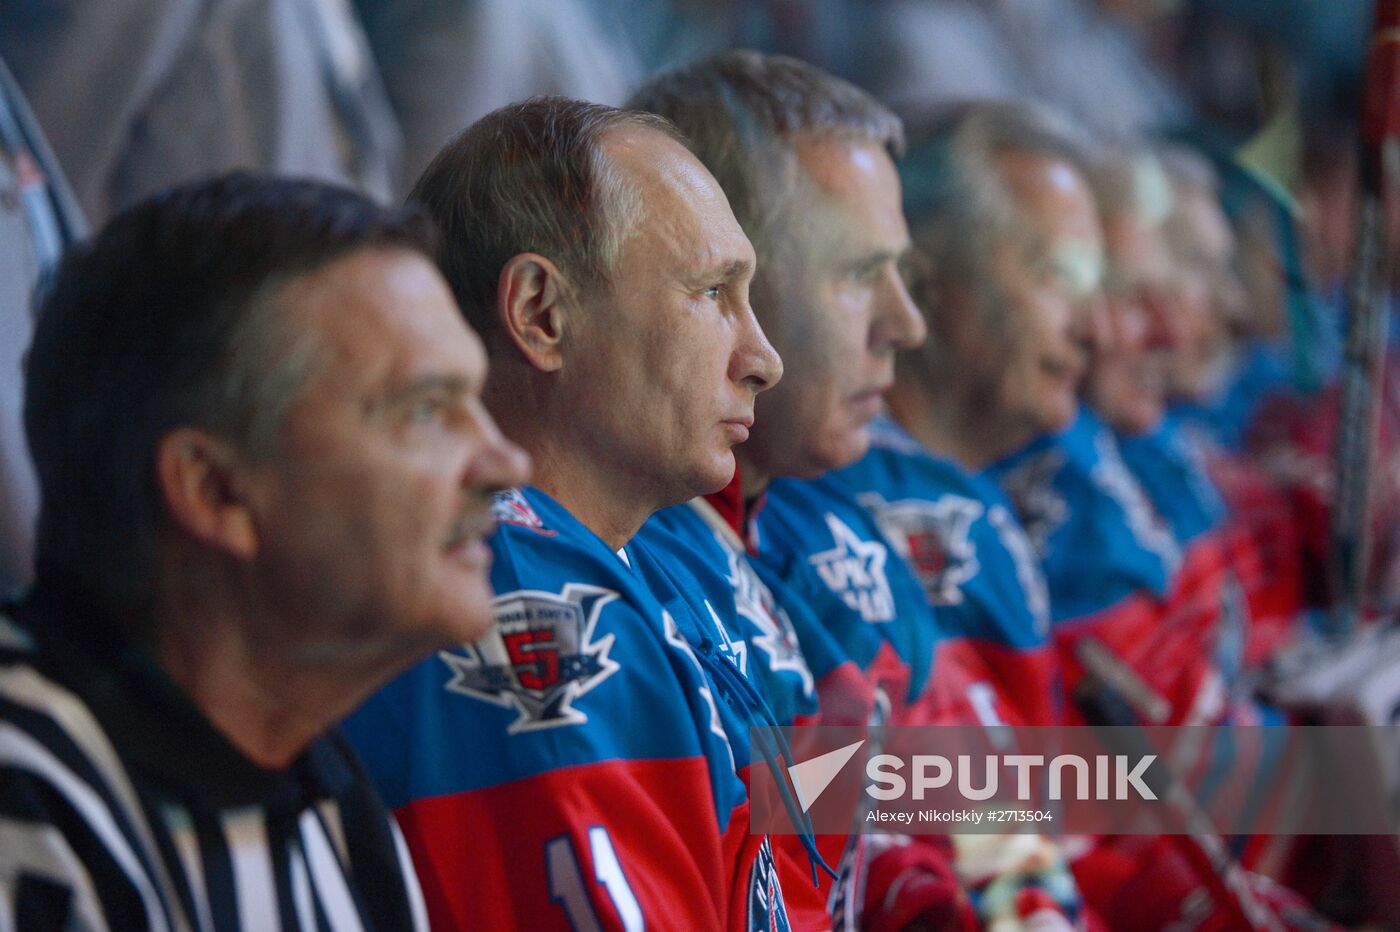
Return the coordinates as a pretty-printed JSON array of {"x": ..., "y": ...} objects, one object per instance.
[
  {"x": 539, "y": 657},
  {"x": 512, "y": 507}
]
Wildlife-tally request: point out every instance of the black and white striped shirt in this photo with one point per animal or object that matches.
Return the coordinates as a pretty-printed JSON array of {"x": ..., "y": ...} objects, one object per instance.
[{"x": 122, "y": 808}]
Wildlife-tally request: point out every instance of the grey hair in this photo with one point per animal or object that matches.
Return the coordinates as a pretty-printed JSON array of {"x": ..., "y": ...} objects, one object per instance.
[
  {"x": 955, "y": 197},
  {"x": 744, "y": 111},
  {"x": 1188, "y": 167},
  {"x": 1132, "y": 183},
  {"x": 959, "y": 206},
  {"x": 532, "y": 177}
]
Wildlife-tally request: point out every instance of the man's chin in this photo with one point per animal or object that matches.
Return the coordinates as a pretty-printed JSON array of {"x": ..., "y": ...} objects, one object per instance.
[
  {"x": 711, "y": 479},
  {"x": 836, "y": 453},
  {"x": 467, "y": 617}
]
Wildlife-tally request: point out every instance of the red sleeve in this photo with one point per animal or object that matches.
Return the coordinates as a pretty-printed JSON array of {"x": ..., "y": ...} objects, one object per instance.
[{"x": 599, "y": 840}]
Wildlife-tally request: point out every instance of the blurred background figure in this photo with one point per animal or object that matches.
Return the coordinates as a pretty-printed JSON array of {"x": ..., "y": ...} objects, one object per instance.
[
  {"x": 1068, "y": 54},
  {"x": 139, "y": 95},
  {"x": 38, "y": 220},
  {"x": 447, "y": 63}
]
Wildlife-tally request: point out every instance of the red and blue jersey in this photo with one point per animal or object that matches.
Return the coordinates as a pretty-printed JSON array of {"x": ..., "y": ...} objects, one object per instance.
[
  {"x": 819, "y": 541},
  {"x": 1207, "y": 595},
  {"x": 960, "y": 535},
  {"x": 829, "y": 550},
  {"x": 764, "y": 613},
  {"x": 1120, "y": 604},
  {"x": 580, "y": 765}
]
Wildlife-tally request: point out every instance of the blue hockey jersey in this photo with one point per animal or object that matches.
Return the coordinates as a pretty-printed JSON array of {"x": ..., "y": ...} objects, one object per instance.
[
  {"x": 1123, "y": 604},
  {"x": 960, "y": 535},
  {"x": 1174, "y": 478},
  {"x": 580, "y": 766},
  {"x": 766, "y": 615},
  {"x": 1096, "y": 533}
]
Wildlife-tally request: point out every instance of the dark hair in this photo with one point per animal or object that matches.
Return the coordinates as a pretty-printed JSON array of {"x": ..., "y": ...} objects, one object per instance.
[
  {"x": 744, "y": 111},
  {"x": 531, "y": 177},
  {"x": 169, "y": 317}
]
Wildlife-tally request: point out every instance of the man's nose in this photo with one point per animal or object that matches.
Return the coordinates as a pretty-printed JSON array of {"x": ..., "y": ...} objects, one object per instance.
[
  {"x": 498, "y": 463},
  {"x": 897, "y": 323},
  {"x": 755, "y": 362},
  {"x": 1092, "y": 325}
]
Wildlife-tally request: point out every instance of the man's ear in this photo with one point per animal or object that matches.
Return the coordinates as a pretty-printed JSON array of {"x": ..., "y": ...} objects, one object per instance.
[
  {"x": 532, "y": 301},
  {"x": 199, "y": 481}
]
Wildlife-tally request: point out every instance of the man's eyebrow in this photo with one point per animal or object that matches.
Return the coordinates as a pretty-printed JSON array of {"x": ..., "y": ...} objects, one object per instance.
[
  {"x": 730, "y": 270},
  {"x": 880, "y": 256},
  {"x": 427, "y": 385}
]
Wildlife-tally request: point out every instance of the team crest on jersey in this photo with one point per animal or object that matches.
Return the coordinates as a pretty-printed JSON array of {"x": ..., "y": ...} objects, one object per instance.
[
  {"x": 1039, "y": 505},
  {"x": 855, "y": 570},
  {"x": 754, "y": 601},
  {"x": 935, "y": 537},
  {"x": 767, "y": 911},
  {"x": 512, "y": 507},
  {"x": 539, "y": 658}
]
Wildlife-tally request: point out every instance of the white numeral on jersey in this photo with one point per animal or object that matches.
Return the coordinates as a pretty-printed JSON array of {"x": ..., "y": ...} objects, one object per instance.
[
  {"x": 984, "y": 702},
  {"x": 566, "y": 882}
]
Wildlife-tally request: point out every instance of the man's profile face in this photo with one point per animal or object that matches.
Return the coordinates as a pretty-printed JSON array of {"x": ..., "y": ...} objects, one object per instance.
[
  {"x": 1208, "y": 296},
  {"x": 1128, "y": 383},
  {"x": 373, "y": 510},
  {"x": 1029, "y": 343},
  {"x": 668, "y": 356},
  {"x": 832, "y": 299}
]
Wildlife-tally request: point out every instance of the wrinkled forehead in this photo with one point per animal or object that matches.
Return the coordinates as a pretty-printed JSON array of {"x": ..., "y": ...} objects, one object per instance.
[
  {"x": 1049, "y": 191},
  {"x": 381, "y": 316},
  {"x": 845, "y": 197},
  {"x": 1056, "y": 221},
  {"x": 680, "y": 206}
]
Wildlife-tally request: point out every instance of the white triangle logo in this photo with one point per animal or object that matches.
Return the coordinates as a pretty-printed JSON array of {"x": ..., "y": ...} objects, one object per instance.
[{"x": 811, "y": 777}]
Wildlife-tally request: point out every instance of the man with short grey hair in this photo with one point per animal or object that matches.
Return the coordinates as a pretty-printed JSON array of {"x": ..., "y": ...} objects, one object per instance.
[
  {"x": 808, "y": 160},
  {"x": 1007, "y": 274},
  {"x": 594, "y": 745}
]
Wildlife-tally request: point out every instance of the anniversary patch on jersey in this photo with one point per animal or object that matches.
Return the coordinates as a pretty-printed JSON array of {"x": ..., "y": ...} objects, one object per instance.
[
  {"x": 1040, "y": 506},
  {"x": 512, "y": 507},
  {"x": 935, "y": 537},
  {"x": 767, "y": 912},
  {"x": 854, "y": 569},
  {"x": 1111, "y": 476},
  {"x": 539, "y": 657},
  {"x": 754, "y": 601}
]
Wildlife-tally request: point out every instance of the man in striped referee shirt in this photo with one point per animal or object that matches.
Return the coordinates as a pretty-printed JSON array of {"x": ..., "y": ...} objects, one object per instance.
[{"x": 254, "y": 413}]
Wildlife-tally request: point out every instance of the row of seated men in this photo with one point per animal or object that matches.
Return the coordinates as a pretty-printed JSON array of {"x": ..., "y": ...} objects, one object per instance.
[{"x": 811, "y": 419}]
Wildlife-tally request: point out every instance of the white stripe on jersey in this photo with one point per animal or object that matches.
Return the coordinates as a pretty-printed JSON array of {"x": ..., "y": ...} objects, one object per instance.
[
  {"x": 301, "y": 887},
  {"x": 42, "y": 850},
  {"x": 328, "y": 876},
  {"x": 245, "y": 832},
  {"x": 182, "y": 835},
  {"x": 24, "y": 686},
  {"x": 117, "y": 820},
  {"x": 20, "y": 750},
  {"x": 415, "y": 892},
  {"x": 335, "y": 827}
]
